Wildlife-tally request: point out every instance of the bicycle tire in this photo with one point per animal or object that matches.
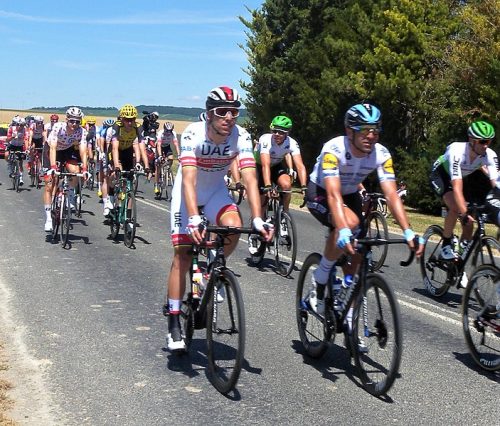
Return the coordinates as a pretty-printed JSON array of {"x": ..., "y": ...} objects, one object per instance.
[
  {"x": 487, "y": 253},
  {"x": 285, "y": 246},
  {"x": 130, "y": 223},
  {"x": 170, "y": 177},
  {"x": 55, "y": 213},
  {"x": 314, "y": 334},
  {"x": 376, "y": 226},
  {"x": 114, "y": 224},
  {"x": 481, "y": 337},
  {"x": 435, "y": 271},
  {"x": 187, "y": 318},
  {"x": 65, "y": 220},
  {"x": 92, "y": 176},
  {"x": 378, "y": 366},
  {"x": 38, "y": 179},
  {"x": 15, "y": 177},
  {"x": 33, "y": 175},
  {"x": 135, "y": 184},
  {"x": 225, "y": 358},
  {"x": 78, "y": 198}
]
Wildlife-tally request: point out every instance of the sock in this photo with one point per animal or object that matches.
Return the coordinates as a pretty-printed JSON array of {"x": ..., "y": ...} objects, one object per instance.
[
  {"x": 323, "y": 272},
  {"x": 47, "y": 211},
  {"x": 174, "y": 306}
]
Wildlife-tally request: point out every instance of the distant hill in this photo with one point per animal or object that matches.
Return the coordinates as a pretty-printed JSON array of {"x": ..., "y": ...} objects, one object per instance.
[{"x": 166, "y": 112}]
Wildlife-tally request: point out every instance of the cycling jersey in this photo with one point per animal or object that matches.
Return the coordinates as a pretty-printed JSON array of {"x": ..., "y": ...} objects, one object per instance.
[
  {"x": 18, "y": 135},
  {"x": 337, "y": 160},
  {"x": 267, "y": 145},
  {"x": 37, "y": 130},
  {"x": 48, "y": 127},
  {"x": 456, "y": 161},
  {"x": 62, "y": 140},
  {"x": 125, "y": 138},
  {"x": 166, "y": 138},
  {"x": 212, "y": 162}
]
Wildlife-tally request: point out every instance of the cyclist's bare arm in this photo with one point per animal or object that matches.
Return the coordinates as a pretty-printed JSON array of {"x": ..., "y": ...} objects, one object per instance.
[
  {"x": 115, "y": 153},
  {"x": 235, "y": 171},
  {"x": 265, "y": 161},
  {"x": 301, "y": 169}
]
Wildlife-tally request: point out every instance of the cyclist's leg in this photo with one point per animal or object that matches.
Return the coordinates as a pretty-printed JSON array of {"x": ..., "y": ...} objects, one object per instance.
[
  {"x": 176, "y": 282},
  {"x": 285, "y": 183},
  {"x": 221, "y": 209}
]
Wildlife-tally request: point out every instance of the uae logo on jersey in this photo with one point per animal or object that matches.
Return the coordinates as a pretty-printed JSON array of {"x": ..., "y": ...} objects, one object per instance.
[{"x": 330, "y": 162}]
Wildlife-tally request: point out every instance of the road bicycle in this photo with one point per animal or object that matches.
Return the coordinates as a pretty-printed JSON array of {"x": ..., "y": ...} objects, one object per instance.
[
  {"x": 165, "y": 180},
  {"x": 15, "y": 159},
  {"x": 284, "y": 242},
  {"x": 92, "y": 171},
  {"x": 375, "y": 224},
  {"x": 481, "y": 317},
  {"x": 36, "y": 168},
  {"x": 440, "y": 274},
  {"x": 215, "y": 302},
  {"x": 373, "y": 335},
  {"x": 60, "y": 209},
  {"x": 124, "y": 211},
  {"x": 381, "y": 202}
]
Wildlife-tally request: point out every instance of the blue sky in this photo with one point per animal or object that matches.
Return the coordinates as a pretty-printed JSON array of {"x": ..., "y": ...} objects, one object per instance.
[{"x": 108, "y": 53}]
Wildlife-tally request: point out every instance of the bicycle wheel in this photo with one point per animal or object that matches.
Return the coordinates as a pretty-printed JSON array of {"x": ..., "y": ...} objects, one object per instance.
[
  {"x": 115, "y": 217},
  {"x": 435, "y": 271},
  {"x": 187, "y": 318},
  {"x": 92, "y": 176},
  {"x": 313, "y": 332},
  {"x": 285, "y": 244},
  {"x": 78, "y": 198},
  {"x": 15, "y": 176},
  {"x": 65, "y": 220},
  {"x": 36, "y": 172},
  {"x": 130, "y": 223},
  {"x": 225, "y": 331},
  {"x": 487, "y": 253},
  {"x": 55, "y": 213},
  {"x": 376, "y": 339},
  {"x": 135, "y": 184},
  {"x": 170, "y": 177},
  {"x": 376, "y": 226},
  {"x": 33, "y": 174},
  {"x": 481, "y": 318}
]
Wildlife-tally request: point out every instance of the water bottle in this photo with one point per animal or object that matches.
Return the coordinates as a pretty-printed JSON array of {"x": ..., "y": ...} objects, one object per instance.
[
  {"x": 197, "y": 280},
  {"x": 335, "y": 283}
]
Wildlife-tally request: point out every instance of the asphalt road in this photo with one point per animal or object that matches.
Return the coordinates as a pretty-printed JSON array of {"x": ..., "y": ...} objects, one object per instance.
[{"x": 86, "y": 336}]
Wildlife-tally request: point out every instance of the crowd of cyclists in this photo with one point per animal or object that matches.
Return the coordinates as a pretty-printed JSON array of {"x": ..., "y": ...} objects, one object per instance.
[{"x": 215, "y": 145}]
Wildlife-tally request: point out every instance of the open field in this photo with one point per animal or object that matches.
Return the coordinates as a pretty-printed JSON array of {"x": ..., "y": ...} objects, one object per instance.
[{"x": 6, "y": 117}]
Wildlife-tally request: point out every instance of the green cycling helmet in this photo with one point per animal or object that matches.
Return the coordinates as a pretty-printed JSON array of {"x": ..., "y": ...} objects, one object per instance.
[
  {"x": 481, "y": 130},
  {"x": 281, "y": 122}
]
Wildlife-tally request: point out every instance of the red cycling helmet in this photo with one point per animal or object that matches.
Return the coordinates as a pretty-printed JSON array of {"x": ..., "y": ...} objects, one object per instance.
[{"x": 54, "y": 117}]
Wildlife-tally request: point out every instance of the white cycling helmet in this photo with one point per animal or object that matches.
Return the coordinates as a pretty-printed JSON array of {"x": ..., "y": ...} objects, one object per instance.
[
  {"x": 15, "y": 119},
  {"x": 21, "y": 121},
  {"x": 38, "y": 119},
  {"x": 74, "y": 112}
]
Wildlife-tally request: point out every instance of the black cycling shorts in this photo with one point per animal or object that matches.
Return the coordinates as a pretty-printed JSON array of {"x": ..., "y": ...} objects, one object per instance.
[
  {"x": 317, "y": 204},
  {"x": 276, "y": 171}
]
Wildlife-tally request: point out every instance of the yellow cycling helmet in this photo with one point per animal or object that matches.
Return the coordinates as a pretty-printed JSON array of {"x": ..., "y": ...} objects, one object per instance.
[
  {"x": 90, "y": 120},
  {"x": 84, "y": 121},
  {"x": 128, "y": 111}
]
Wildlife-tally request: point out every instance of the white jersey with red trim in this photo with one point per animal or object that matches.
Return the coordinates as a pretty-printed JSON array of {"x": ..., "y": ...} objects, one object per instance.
[
  {"x": 337, "y": 160},
  {"x": 267, "y": 145},
  {"x": 18, "y": 135},
  {"x": 457, "y": 163},
  {"x": 62, "y": 140},
  {"x": 48, "y": 127},
  {"x": 37, "y": 130},
  {"x": 212, "y": 160}
]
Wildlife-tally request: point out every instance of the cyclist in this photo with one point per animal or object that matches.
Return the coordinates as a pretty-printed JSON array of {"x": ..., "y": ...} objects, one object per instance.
[
  {"x": 92, "y": 130},
  {"x": 148, "y": 132},
  {"x": 332, "y": 193},
  {"x": 166, "y": 138},
  {"x": 270, "y": 153},
  {"x": 206, "y": 152},
  {"x": 124, "y": 140},
  {"x": 54, "y": 118},
  {"x": 17, "y": 140},
  {"x": 67, "y": 144},
  {"x": 102, "y": 164},
  {"x": 36, "y": 138},
  {"x": 458, "y": 176}
]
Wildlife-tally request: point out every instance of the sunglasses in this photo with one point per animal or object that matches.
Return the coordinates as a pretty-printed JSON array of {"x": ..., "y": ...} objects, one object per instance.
[
  {"x": 222, "y": 112},
  {"x": 128, "y": 120},
  {"x": 484, "y": 141},
  {"x": 280, "y": 132},
  {"x": 74, "y": 121},
  {"x": 365, "y": 130}
]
